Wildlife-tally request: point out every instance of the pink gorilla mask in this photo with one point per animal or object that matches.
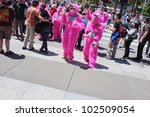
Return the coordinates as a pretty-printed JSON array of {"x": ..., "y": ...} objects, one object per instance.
[
  {"x": 74, "y": 9},
  {"x": 59, "y": 9}
]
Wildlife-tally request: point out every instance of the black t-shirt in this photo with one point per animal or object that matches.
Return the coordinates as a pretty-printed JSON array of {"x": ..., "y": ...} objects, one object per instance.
[
  {"x": 117, "y": 25},
  {"x": 45, "y": 15},
  {"x": 20, "y": 10}
]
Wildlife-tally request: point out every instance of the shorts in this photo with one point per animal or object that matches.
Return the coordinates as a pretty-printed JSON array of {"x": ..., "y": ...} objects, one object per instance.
[{"x": 5, "y": 32}]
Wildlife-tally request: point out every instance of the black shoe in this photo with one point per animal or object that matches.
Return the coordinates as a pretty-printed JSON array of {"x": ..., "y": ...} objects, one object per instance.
[
  {"x": 136, "y": 59},
  {"x": 125, "y": 57},
  {"x": 9, "y": 53},
  {"x": 2, "y": 51},
  {"x": 41, "y": 50},
  {"x": 31, "y": 49},
  {"x": 24, "y": 48}
]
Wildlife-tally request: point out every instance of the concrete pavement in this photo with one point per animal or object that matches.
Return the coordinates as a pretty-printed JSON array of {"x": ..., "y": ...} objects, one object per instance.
[{"x": 33, "y": 75}]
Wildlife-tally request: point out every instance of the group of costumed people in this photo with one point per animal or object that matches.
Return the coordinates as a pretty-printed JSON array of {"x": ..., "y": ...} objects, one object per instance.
[
  {"x": 93, "y": 33},
  {"x": 71, "y": 24}
]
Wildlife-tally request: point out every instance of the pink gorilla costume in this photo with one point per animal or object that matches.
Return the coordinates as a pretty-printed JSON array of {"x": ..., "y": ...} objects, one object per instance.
[
  {"x": 57, "y": 28},
  {"x": 73, "y": 25},
  {"x": 93, "y": 33}
]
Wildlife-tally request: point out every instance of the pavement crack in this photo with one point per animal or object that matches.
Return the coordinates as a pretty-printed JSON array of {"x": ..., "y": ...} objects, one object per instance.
[
  {"x": 70, "y": 81},
  {"x": 13, "y": 67}
]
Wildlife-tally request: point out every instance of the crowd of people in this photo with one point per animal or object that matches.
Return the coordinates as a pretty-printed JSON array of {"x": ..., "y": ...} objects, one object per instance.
[{"x": 69, "y": 23}]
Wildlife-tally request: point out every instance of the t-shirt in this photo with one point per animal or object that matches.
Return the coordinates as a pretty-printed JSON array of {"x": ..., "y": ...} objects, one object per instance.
[
  {"x": 32, "y": 13},
  {"x": 20, "y": 10},
  {"x": 117, "y": 25},
  {"x": 6, "y": 16},
  {"x": 147, "y": 28},
  {"x": 45, "y": 15}
]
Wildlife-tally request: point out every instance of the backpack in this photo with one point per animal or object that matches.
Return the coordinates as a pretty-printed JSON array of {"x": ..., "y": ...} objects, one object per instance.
[{"x": 122, "y": 31}]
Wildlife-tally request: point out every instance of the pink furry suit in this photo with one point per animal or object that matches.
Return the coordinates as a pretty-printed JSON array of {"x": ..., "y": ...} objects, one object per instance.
[
  {"x": 73, "y": 25},
  {"x": 93, "y": 35},
  {"x": 57, "y": 27}
]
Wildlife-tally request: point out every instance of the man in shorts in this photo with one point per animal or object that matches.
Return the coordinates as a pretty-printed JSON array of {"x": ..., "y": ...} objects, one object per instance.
[{"x": 6, "y": 21}]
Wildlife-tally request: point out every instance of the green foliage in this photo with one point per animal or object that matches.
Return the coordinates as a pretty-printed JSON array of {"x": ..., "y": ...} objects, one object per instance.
[{"x": 147, "y": 9}]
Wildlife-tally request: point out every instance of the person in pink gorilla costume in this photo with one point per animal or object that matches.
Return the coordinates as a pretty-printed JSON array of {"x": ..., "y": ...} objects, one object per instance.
[
  {"x": 57, "y": 27},
  {"x": 73, "y": 25},
  {"x": 93, "y": 35}
]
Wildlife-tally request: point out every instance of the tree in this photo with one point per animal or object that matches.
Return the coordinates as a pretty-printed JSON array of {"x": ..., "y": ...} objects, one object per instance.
[{"x": 147, "y": 8}]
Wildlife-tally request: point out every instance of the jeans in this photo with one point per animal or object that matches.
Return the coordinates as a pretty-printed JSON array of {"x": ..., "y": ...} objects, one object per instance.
[
  {"x": 19, "y": 24},
  {"x": 127, "y": 47},
  {"x": 140, "y": 49},
  {"x": 44, "y": 35}
]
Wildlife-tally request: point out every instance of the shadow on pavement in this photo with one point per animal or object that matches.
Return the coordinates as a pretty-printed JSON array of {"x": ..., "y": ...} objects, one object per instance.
[
  {"x": 50, "y": 53},
  {"x": 102, "y": 55},
  {"x": 16, "y": 56},
  {"x": 101, "y": 48},
  {"x": 85, "y": 66},
  {"x": 146, "y": 62},
  {"x": 121, "y": 61}
]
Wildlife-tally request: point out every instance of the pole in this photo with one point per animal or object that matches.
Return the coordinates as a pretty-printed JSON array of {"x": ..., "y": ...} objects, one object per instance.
[
  {"x": 116, "y": 3},
  {"x": 121, "y": 10},
  {"x": 144, "y": 6}
]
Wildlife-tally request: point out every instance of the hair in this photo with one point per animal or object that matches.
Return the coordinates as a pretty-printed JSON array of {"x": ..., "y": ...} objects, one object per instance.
[
  {"x": 35, "y": 3},
  {"x": 118, "y": 15},
  {"x": 147, "y": 19},
  {"x": 43, "y": 5},
  {"x": 136, "y": 25}
]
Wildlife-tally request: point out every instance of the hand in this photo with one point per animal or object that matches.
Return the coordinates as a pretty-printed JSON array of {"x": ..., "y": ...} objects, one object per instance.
[
  {"x": 94, "y": 44},
  {"x": 140, "y": 41}
]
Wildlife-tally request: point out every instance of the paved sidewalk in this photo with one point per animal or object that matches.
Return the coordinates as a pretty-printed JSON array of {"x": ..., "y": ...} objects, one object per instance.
[{"x": 33, "y": 75}]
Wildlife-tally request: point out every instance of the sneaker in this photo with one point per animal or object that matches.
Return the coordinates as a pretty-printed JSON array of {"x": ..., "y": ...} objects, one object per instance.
[
  {"x": 86, "y": 60},
  {"x": 9, "y": 53},
  {"x": 2, "y": 51},
  {"x": 91, "y": 66},
  {"x": 64, "y": 57},
  {"x": 24, "y": 48}
]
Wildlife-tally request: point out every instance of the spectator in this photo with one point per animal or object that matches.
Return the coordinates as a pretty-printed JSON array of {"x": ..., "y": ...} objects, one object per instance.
[
  {"x": 20, "y": 8},
  {"x": 30, "y": 23},
  {"x": 144, "y": 37},
  {"x": 131, "y": 35},
  {"x": 7, "y": 17},
  {"x": 112, "y": 46}
]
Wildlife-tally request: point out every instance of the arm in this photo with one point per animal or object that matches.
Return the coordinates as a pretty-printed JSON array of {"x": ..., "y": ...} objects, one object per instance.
[
  {"x": 88, "y": 15},
  {"x": 132, "y": 32},
  {"x": 112, "y": 28},
  {"x": 145, "y": 33}
]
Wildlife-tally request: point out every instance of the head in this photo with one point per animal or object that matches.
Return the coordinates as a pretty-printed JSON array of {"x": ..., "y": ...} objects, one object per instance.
[
  {"x": 20, "y": 1},
  {"x": 59, "y": 9},
  {"x": 4, "y": 3},
  {"x": 146, "y": 20},
  {"x": 96, "y": 18},
  {"x": 35, "y": 3},
  {"x": 136, "y": 25},
  {"x": 118, "y": 16},
  {"x": 42, "y": 7},
  {"x": 74, "y": 8}
]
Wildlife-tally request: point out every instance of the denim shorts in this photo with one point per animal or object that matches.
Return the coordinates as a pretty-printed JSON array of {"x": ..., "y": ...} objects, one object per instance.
[{"x": 5, "y": 32}]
